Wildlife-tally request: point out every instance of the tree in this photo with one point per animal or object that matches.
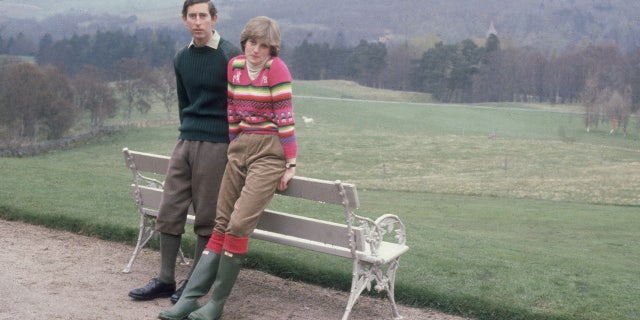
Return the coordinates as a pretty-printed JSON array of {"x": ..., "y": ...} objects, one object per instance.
[
  {"x": 367, "y": 61},
  {"x": 618, "y": 110},
  {"x": 60, "y": 114},
  {"x": 446, "y": 71},
  {"x": 590, "y": 98},
  {"x": 35, "y": 102},
  {"x": 45, "y": 43},
  {"x": 22, "y": 96},
  {"x": 163, "y": 85},
  {"x": 311, "y": 61},
  {"x": 2, "y": 42},
  {"x": 493, "y": 43},
  {"x": 563, "y": 77},
  {"x": 633, "y": 61},
  {"x": 156, "y": 47},
  {"x": 398, "y": 67},
  {"x": 69, "y": 55},
  {"x": 21, "y": 45},
  {"x": 533, "y": 63},
  {"x": 466, "y": 62},
  {"x": 607, "y": 93},
  {"x": 513, "y": 74},
  {"x": 132, "y": 85},
  {"x": 432, "y": 71},
  {"x": 94, "y": 95},
  {"x": 110, "y": 48},
  {"x": 487, "y": 82}
]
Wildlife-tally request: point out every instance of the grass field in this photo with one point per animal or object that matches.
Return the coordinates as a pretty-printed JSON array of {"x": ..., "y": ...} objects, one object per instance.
[{"x": 513, "y": 211}]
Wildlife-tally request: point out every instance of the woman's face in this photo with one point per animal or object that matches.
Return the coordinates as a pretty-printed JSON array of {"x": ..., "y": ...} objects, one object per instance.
[{"x": 256, "y": 51}]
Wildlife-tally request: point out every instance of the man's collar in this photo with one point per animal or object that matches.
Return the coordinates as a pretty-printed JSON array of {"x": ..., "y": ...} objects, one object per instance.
[{"x": 213, "y": 42}]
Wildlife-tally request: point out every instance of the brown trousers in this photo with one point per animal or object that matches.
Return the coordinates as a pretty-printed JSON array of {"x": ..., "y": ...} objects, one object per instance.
[
  {"x": 195, "y": 171},
  {"x": 254, "y": 168}
]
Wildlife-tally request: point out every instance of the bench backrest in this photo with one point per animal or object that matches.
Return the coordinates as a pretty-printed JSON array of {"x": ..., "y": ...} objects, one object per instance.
[
  {"x": 320, "y": 235},
  {"x": 148, "y": 169}
]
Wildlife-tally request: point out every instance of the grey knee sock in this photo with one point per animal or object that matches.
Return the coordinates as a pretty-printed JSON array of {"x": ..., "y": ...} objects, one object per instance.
[
  {"x": 201, "y": 243},
  {"x": 169, "y": 248}
]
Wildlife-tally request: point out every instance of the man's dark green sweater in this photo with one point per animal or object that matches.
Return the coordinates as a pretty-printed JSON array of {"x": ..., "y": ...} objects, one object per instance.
[{"x": 201, "y": 78}]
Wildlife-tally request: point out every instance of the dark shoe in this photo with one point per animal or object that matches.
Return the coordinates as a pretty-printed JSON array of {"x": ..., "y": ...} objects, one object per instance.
[
  {"x": 154, "y": 289},
  {"x": 176, "y": 295}
]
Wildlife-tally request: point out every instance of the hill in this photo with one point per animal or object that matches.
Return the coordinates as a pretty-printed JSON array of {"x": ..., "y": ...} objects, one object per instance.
[{"x": 542, "y": 23}]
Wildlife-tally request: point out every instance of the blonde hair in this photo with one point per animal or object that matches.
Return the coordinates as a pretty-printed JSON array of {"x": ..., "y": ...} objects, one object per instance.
[{"x": 265, "y": 29}]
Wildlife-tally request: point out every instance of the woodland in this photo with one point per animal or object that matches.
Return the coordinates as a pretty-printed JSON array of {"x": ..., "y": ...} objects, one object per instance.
[{"x": 97, "y": 62}]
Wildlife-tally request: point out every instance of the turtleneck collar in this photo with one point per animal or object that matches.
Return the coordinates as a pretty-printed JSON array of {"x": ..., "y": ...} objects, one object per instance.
[{"x": 254, "y": 70}]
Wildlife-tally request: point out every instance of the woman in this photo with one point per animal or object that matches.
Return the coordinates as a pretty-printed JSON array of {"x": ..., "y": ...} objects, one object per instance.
[{"x": 261, "y": 157}]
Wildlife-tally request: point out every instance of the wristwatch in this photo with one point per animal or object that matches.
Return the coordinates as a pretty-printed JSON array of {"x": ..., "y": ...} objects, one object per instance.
[{"x": 289, "y": 165}]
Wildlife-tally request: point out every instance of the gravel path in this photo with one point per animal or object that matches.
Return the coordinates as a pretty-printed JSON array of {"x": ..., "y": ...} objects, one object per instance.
[{"x": 50, "y": 274}]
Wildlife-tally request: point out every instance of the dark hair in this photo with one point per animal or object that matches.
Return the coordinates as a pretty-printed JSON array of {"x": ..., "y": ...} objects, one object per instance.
[{"x": 187, "y": 3}]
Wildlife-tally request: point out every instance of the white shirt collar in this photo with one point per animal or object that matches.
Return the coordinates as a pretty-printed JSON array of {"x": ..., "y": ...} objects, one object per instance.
[{"x": 212, "y": 43}]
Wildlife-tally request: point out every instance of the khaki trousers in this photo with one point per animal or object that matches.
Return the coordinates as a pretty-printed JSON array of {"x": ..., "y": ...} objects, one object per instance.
[
  {"x": 195, "y": 171},
  {"x": 254, "y": 168}
]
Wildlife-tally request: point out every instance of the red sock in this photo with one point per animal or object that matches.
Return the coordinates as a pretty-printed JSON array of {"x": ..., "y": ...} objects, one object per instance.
[
  {"x": 215, "y": 242},
  {"x": 236, "y": 245}
]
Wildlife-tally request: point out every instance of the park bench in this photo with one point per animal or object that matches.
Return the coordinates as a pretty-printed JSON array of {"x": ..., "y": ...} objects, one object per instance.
[{"x": 375, "y": 246}]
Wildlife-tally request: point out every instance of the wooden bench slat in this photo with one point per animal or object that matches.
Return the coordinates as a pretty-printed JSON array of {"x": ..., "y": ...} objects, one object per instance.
[
  {"x": 319, "y": 231},
  {"x": 301, "y": 243},
  {"x": 321, "y": 190},
  {"x": 147, "y": 162},
  {"x": 152, "y": 197}
]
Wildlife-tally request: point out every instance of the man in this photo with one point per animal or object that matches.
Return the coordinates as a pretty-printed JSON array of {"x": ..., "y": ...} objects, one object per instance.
[
  {"x": 199, "y": 156},
  {"x": 262, "y": 158}
]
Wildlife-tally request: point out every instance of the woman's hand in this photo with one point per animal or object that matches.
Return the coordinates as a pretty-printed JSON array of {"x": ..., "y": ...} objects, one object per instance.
[{"x": 284, "y": 181}]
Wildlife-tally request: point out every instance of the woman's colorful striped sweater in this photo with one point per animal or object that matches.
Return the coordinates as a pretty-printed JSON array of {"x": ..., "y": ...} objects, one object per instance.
[{"x": 263, "y": 105}]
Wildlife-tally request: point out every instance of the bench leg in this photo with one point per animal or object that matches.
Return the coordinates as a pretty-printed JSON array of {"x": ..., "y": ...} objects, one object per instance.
[
  {"x": 363, "y": 275},
  {"x": 390, "y": 287},
  {"x": 361, "y": 279},
  {"x": 182, "y": 261},
  {"x": 147, "y": 230}
]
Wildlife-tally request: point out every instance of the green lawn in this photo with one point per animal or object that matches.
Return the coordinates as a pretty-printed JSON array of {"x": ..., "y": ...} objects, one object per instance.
[{"x": 511, "y": 212}]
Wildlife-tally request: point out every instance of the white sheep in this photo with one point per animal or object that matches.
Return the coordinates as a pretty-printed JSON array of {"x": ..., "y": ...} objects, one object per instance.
[{"x": 307, "y": 121}]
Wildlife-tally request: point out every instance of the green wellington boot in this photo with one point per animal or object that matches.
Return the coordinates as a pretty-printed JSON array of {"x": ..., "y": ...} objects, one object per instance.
[
  {"x": 198, "y": 286},
  {"x": 226, "y": 278}
]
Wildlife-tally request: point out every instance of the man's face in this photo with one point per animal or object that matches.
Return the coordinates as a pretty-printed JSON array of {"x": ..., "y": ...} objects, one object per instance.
[{"x": 200, "y": 22}]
